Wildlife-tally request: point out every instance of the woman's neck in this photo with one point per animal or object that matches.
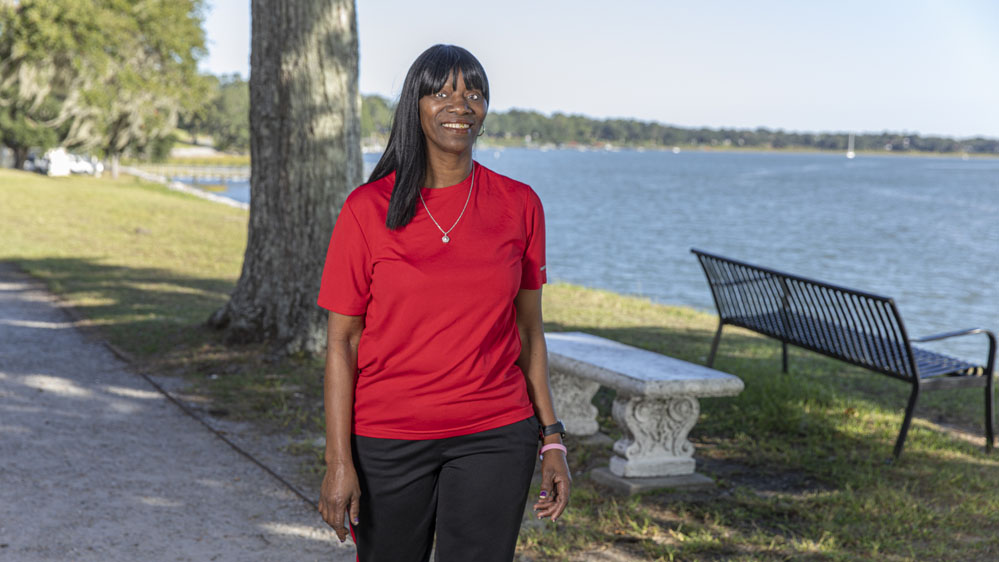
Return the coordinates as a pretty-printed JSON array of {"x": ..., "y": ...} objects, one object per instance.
[{"x": 447, "y": 169}]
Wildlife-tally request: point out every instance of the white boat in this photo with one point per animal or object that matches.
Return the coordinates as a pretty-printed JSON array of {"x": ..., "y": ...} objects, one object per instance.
[{"x": 850, "y": 154}]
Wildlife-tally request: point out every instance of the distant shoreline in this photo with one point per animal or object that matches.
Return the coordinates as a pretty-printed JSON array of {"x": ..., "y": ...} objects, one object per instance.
[
  {"x": 754, "y": 149},
  {"x": 374, "y": 149}
]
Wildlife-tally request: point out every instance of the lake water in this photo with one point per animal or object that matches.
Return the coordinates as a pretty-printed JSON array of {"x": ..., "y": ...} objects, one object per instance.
[{"x": 924, "y": 230}]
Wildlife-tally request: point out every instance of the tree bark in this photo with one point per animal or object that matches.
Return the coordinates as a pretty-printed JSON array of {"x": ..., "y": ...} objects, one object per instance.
[
  {"x": 305, "y": 159},
  {"x": 20, "y": 157}
]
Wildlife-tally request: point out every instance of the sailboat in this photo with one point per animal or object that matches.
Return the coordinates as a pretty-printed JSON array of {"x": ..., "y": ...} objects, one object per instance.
[{"x": 850, "y": 154}]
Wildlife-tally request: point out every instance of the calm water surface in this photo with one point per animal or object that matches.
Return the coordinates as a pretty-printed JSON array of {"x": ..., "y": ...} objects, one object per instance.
[{"x": 922, "y": 230}]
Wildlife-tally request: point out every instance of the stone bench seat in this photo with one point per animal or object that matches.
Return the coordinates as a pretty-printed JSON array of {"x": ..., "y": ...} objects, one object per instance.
[{"x": 656, "y": 404}]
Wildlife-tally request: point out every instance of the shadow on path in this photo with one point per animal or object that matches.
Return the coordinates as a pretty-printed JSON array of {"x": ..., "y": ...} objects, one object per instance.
[{"x": 99, "y": 466}]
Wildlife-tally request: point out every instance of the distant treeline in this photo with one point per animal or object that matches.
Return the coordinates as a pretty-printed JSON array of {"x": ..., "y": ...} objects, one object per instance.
[{"x": 520, "y": 127}]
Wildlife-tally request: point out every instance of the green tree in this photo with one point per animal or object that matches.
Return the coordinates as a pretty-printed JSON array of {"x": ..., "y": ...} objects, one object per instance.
[
  {"x": 21, "y": 130},
  {"x": 376, "y": 116},
  {"x": 229, "y": 124},
  {"x": 155, "y": 76},
  {"x": 107, "y": 74},
  {"x": 226, "y": 116},
  {"x": 50, "y": 57}
]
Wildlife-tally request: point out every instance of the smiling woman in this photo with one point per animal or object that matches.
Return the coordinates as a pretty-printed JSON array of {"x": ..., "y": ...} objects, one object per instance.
[
  {"x": 418, "y": 149},
  {"x": 436, "y": 265},
  {"x": 451, "y": 119}
]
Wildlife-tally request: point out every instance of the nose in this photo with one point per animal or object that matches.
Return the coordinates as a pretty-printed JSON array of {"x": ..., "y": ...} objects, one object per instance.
[{"x": 459, "y": 105}]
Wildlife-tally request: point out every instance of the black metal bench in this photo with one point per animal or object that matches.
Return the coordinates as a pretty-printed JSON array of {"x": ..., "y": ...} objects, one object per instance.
[{"x": 853, "y": 326}]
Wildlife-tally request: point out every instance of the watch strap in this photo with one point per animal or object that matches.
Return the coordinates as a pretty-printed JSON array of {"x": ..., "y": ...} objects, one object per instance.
[{"x": 546, "y": 430}]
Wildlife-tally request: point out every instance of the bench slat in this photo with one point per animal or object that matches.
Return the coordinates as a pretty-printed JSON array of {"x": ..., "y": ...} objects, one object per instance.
[{"x": 933, "y": 364}]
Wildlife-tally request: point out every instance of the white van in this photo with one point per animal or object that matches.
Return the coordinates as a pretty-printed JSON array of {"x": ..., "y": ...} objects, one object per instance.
[{"x": 59, "y": 161}]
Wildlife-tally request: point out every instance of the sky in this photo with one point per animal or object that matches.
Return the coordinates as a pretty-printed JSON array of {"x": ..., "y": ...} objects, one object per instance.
[{"x": 914, "y": 66}]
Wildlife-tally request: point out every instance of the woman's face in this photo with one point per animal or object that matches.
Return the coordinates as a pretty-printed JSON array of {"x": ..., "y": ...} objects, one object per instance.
[{"x": 452, "y": 117}]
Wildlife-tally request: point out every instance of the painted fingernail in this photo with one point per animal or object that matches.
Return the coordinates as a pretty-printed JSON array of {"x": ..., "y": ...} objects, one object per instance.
[
  {"x": 544, "y": 494},
  {"x": 355, "y": 521}
]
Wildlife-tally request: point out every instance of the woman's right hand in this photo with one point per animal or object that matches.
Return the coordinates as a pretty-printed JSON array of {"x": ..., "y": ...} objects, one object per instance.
[{"x": 339, "y": 494}]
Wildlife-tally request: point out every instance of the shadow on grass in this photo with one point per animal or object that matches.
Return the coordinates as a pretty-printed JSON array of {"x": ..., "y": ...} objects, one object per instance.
[
  {"x": 159, "y": 317},
  {"x": 144, "y": 311}
]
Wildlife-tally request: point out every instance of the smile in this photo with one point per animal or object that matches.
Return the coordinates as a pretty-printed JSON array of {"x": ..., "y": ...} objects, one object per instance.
[{"x": 459, "y": 126}]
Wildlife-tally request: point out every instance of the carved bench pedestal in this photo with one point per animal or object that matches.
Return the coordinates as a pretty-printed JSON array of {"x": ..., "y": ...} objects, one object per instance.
[
  {"x": 574, "y": 401},
  {"x": 655, "y": 441},
  {"x": 656, "y": 406}
]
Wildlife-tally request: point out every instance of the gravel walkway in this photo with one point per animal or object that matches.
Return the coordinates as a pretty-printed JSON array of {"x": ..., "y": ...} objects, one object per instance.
[{"x": 97, "y": 465}]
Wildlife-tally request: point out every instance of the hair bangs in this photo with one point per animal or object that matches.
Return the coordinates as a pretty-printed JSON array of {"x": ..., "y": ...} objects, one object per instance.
[{"x": 446, "y": 61}]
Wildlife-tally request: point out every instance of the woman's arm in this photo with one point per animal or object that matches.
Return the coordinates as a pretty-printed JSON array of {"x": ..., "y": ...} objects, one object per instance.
[
  {"x": 533, "y": 361},
  {"x": 340, "y": 490}
]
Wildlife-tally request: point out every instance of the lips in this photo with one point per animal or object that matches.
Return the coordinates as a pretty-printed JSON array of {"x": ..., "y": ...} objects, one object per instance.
[{"x": 457, "y": 126}]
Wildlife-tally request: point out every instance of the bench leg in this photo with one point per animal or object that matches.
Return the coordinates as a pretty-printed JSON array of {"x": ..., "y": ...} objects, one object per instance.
[
  {"x": 655, "y": 436},
  {"x": 574, "y": 402},
  {"x": 909, "y": 410},
  {"x": 714, "y": 345},
  {"x": 990, "y": 435}
]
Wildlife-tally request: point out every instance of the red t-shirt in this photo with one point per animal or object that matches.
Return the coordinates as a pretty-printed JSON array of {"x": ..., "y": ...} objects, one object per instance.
[{"x": 437, "y": 355}]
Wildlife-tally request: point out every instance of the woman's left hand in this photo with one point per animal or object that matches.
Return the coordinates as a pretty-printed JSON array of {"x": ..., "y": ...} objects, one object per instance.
[{"x": 555, "y": 485}]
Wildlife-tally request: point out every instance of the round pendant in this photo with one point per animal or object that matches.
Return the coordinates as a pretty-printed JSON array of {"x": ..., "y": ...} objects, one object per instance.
[{"x": 445, "y": 239}]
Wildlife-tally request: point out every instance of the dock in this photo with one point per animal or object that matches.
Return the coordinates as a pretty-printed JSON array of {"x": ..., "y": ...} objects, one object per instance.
[{"x": 200, "y": 174}]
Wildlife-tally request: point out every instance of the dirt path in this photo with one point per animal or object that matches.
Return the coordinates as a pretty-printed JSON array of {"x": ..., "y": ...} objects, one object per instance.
[{"x": 97, "y": 465}]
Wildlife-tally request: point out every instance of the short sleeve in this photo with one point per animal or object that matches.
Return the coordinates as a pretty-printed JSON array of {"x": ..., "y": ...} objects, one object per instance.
[
  {"x": 346, "y": 282},
  {"x": 534, "y": 273}
]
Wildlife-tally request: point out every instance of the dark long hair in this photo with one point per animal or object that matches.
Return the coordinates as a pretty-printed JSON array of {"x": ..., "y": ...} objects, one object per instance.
[{"x": 406, "y": 153}]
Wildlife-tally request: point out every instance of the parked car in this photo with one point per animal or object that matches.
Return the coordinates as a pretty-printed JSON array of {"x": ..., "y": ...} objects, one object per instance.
[
  {"x": 85, "y": 165},
  {"x": 32, "y": 164},
  {"x": 58, "y": 162}
]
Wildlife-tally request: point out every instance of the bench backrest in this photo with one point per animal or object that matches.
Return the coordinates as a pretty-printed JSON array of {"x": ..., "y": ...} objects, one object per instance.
[{"x": 854, "y": 326}]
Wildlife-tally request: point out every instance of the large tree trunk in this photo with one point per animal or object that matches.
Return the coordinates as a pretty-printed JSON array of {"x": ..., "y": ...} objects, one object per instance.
[
  {"x": 306, "y": 157},
  {"x": 20, "y": 157}
]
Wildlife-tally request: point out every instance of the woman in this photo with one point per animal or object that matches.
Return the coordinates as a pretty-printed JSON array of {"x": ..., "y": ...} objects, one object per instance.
[{"x": 436, "y": 387}]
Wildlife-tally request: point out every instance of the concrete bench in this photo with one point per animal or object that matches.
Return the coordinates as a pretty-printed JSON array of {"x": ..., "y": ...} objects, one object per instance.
[{"x": 656, "y": 404}]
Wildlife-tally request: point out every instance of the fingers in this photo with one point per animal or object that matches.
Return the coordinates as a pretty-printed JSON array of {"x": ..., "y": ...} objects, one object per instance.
[
  {"x": 339, "y": 493},
  {"x": 552, "y": 504},
  {"x": 544, "y": 496},
  {"x": 554, "y": 495},
  {"x": 355, "y": 510},
  {"x": 338, "y": 524},
  {"x": 334, "y": 516},
  {"x": 334, "y": 512},
  {"x": 561, "y": 497}
]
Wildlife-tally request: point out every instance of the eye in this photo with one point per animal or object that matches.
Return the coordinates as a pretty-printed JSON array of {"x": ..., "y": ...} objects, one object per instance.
[
  {"x": 440, "y": 94},
  {"x": 474, "y": 96}
]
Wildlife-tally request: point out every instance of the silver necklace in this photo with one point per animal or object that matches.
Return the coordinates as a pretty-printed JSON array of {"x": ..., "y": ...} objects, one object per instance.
[{"x": 445, "y": 239}]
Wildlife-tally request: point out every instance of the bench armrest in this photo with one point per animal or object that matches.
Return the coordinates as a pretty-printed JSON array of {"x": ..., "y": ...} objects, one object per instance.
[
  {"x": 989, "y": 361},
  {"x": 945, "y": 335}
]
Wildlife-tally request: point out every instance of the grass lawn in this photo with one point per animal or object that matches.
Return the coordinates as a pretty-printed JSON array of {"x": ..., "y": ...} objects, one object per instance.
[{"x": 798, "y": 457}]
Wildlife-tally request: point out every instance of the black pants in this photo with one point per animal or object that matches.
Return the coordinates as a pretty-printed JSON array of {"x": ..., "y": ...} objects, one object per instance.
[{"x": 471, "y": 489}]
